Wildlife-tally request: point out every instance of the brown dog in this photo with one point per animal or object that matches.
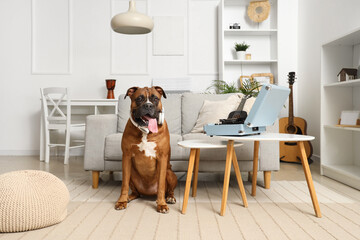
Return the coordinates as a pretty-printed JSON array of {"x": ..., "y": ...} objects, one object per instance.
[{"x": 146, "y": 151}]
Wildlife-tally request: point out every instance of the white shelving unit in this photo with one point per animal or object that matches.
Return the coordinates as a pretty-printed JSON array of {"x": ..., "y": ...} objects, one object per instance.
[
  {"x": 251, "y": 32},
  {"x": 262, "y": 38},
  {"x": 340, "y": 146},
  {"x": 249, "y": 62}
]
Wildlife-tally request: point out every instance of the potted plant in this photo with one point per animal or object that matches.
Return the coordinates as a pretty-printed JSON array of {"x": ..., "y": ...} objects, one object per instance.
[
  {"x": 249, "y": 88},
  {"x": 222, "y": 87},
  {"x": 240, "y": 49}
]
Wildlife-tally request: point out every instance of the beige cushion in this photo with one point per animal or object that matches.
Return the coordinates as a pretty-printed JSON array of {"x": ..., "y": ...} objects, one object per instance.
[
  {"x": 212, "y": 111},
  {"x": 191, "y": 104},
  {"x": 30, "y": 200}
]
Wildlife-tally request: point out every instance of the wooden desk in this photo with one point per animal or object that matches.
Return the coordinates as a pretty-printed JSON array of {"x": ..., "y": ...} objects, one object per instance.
[
  {"x": 80, "y": 108},
  {"x": 280, "y": 137}
]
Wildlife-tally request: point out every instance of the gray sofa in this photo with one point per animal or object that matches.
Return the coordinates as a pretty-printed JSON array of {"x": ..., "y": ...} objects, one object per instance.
[{"x": 104, "y": 133}]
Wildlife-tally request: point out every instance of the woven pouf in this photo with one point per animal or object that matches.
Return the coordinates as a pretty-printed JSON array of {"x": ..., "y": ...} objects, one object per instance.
[{"x": 30, "y": 200}]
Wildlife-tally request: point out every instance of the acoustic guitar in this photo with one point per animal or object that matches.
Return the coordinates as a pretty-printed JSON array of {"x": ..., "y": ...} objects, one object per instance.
[{"x": 289, "y": 151}]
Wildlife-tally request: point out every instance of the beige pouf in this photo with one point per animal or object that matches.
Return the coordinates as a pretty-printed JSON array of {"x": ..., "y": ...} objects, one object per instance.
[{"x": 30, "y": 200}]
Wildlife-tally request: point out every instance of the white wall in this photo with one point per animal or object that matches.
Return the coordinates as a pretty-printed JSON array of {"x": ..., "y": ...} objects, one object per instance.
[
  {"x": 319, "y": 21},
  {"x": 69, "y": 43},
  {"x": 86, "y": 53}
]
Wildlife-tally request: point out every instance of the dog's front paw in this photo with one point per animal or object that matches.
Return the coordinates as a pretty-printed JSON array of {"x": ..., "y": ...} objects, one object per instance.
[
  {"x": 171, "y": 200},
  {"x": 120, "y": 205},
  {"x": 162, "y": 208}
]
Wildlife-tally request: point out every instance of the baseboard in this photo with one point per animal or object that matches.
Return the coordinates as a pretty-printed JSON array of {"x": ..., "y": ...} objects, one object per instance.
[
  {"x": 19, "y": 152},
  {"x": 74, "y": 152},
  {"x": 315, "y": 158}
]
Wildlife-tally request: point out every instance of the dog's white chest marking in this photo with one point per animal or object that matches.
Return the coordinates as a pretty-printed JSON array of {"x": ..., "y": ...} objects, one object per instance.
[{"x": 147, "y": 147}]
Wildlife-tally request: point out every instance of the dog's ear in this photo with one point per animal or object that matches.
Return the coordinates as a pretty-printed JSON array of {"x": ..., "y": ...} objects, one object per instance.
[
  {"x": 130, "y": 91},
  {"x": 160, "y": 90}
]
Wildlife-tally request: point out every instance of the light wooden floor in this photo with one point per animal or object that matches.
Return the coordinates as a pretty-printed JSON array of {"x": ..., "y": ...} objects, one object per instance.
[
  {"x": 288, "y": 171},
  {"x": 282, "y": 212}
]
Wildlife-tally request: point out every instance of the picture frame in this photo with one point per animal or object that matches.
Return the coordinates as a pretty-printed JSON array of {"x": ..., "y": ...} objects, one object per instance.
[
  {"x": 349, "y": 119},
  {"x": 242, "y": 78},
  {"x": 263, "y": 78}
]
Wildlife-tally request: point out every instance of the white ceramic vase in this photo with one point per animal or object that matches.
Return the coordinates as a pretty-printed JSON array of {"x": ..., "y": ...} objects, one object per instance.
[{"x": 240, "y": 55}]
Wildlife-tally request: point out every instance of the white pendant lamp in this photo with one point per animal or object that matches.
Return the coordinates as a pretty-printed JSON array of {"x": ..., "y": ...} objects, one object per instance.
[{"x": 132, "y": 22}]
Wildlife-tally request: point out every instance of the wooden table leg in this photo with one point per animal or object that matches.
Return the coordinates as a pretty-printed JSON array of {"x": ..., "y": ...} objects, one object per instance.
[
  {"x": 239, "y": 179},
  {"x": 229, "y": 156},
  {"x": 95, "y": 178},
  {"x": 309, "y": 180},
  {"x": 267, "y": 179},
  {"x": 188, "y": 179},
  {"x": 196, "y": 171},
  {"x": 255, "y": 167}
]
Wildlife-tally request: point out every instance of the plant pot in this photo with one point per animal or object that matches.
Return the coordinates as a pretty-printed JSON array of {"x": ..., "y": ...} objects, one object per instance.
[{"x": 240, "y": 55}]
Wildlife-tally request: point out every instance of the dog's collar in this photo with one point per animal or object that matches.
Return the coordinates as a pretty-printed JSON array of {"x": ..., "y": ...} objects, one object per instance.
[{"x": 141, "y": 128}]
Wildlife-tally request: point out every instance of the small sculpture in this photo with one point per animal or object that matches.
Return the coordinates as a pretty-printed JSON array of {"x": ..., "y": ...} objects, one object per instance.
[
  {"x": 258, "y": 11},
  {"x": 110, "y": 85}
]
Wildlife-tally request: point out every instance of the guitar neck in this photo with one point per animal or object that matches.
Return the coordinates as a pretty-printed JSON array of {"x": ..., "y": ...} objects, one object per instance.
[{"x": 291, "y": 106}]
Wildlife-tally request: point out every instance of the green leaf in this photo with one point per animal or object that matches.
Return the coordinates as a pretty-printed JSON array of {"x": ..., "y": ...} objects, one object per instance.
[
  {"x": 241, "y": 46},
  {"x": 222, "y": 87}
]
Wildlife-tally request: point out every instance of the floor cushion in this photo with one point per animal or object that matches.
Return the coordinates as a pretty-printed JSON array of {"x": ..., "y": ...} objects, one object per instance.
[{"x": 31, "y": 199}]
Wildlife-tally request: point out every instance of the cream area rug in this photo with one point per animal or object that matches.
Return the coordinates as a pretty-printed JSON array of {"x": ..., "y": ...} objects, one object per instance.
[{"x": 283, "y": 212}]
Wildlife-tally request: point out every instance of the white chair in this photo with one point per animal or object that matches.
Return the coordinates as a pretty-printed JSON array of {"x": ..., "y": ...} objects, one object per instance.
[{"x": 54, "y": 118}]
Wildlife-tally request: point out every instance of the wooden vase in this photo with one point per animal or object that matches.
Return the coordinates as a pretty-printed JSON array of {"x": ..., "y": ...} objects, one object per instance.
[{"x": 110, "y": 85}]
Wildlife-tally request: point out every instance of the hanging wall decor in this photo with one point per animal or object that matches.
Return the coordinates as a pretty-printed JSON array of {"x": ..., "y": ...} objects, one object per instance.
[{"x": 258, "y": 11}]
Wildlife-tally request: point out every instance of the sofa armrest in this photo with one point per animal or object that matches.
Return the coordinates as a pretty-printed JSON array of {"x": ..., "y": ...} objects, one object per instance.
[
  {"x": 269, "y": 151},
  {"x": 97, "y": 128}
]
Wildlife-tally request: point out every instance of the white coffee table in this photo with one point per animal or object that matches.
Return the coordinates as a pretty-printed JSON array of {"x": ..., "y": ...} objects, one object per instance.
[
  {"x": 195, "y": 146},
  {"x": 300, "y": 139}
]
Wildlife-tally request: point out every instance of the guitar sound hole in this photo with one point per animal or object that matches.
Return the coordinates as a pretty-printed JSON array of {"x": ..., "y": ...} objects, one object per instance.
[
  {"x": 291, "y": 143},
  {"x": 294, "y": 130},
  {"x": 291, "y": 129}
]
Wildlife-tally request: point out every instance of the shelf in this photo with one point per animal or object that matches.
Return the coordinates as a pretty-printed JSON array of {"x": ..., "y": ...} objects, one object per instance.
[
  {"x": 263, "y": 39},
  {"x": 248, "y": 62},
  {"x": 348, "y": 174},
  {"x": 350, "y": 83},
  {"x": 350, "y": 39},
  {"x": 342, "y": 128},
  {"x": 340, "y": 152},
  {"x": 250, "y": 32}
]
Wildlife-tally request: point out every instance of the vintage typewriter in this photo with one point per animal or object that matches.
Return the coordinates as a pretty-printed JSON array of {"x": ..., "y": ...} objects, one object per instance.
[{"x": 264, "y": 112}]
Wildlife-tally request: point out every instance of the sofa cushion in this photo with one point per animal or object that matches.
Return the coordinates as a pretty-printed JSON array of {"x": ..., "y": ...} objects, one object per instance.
[
  {"x": 113, "y": 150},
  {"x": 172, "y": 108},
  {"x": 191, "y": 105},
  {"x": 177, "y": 152},
  {"x": 212, "y": 111},
  {"x": 113, "y": 146},
  {"x": 123, "y": 112},
  {"x": 245, "y": 152}
]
